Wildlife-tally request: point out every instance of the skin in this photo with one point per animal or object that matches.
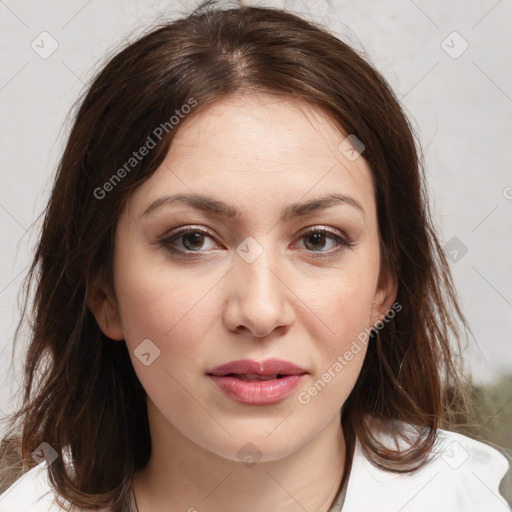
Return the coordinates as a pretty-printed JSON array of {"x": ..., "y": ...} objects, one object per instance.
[{"x": 259, "y": 154}]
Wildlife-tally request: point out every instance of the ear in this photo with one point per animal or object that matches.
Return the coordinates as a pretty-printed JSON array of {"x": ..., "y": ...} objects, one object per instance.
[
  {"x": 102, "y": 304},
  {"x": 385, "y": 295}
]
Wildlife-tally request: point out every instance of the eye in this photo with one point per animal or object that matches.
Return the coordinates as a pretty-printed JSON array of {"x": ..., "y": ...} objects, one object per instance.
[
  {"x": 190, "y": 239},
  {"x": 316, "y": 238}
]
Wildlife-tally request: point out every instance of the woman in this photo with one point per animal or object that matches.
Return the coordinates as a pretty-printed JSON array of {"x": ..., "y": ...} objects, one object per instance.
[{"x": 241, "y": 300}]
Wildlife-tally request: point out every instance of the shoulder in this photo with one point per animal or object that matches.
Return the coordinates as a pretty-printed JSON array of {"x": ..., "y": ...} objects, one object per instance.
[
  {"x": 30, "y": 493},
  {"x": 462, "y": 475}
]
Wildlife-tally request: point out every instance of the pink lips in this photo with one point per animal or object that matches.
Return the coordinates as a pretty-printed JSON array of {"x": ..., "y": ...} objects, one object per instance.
[{"x": 257, "y": 383}]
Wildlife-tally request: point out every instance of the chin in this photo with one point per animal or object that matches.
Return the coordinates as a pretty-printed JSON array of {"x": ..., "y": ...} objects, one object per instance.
[{"x": 257, "y": 444}]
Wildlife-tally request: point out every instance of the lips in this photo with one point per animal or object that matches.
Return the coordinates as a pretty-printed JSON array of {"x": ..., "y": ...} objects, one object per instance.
[
  {"x": 253, "y": 383},
  {"x": 248, "y": 369}
]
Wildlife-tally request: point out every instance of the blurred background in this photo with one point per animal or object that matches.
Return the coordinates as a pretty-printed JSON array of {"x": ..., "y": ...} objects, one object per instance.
[{"x": 449, "y": 63}]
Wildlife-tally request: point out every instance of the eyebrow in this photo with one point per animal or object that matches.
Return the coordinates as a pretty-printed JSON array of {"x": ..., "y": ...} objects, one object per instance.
[{"x": 222, "y": 209}]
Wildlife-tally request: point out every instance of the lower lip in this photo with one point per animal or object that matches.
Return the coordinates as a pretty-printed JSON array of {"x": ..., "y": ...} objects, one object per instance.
[{"x": 257, "y": 392}]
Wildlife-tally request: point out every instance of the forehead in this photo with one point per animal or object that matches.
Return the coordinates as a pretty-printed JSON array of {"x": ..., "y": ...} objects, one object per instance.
[
  {"x": 255, "y": 128},
  {"x": 258, "y": 149}
]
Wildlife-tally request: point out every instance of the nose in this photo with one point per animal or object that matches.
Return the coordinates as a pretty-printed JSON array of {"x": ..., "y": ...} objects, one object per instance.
[{"x": 259, "y": 297}]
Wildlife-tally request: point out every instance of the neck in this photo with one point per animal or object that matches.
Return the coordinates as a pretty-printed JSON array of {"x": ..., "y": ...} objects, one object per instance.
[{"x": 188, "y": 477}]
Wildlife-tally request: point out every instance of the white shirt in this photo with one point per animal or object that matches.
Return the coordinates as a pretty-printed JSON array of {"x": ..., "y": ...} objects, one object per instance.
[{"x": 463, "y": 476}]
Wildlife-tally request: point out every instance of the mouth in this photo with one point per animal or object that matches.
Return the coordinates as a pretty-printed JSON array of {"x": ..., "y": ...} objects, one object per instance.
[
  {"x": 248, "y": 377},
  {"x": 253, "y": 370},
  {"x": 257, "y": 383}
]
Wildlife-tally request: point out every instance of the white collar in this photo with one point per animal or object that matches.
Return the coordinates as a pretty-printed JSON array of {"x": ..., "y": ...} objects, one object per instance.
[{"x": 462, "y": 475}]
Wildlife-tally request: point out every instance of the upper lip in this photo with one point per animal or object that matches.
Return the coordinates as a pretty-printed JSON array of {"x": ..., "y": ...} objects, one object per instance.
[{"x": 248, "y": 366}]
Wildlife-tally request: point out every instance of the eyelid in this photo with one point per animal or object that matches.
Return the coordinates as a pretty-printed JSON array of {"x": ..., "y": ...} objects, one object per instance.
[{"x": 184, "y": 229}]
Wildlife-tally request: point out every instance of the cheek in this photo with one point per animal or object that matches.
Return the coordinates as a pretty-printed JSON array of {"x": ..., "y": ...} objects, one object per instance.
[
  {"x": 344, "y": 307},
  {"x": 343, "y": 350},
  {"x": 159, "y": 305},
  {"x": 340, "y": 341},
  {"x": 344, "y": 301}
]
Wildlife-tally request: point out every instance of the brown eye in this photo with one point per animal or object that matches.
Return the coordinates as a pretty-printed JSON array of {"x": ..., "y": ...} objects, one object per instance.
[
  {"x": 187, "y": 241},
  {"x": 315, "y": 241},
  {"x": 192, "y": 240}
]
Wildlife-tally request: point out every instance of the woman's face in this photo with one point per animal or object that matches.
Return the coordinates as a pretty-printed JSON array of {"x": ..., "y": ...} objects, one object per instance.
[{"x": 251, "y": 277}]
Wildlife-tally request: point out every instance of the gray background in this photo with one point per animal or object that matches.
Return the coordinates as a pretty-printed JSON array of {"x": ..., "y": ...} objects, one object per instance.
[{"x": 460, "y": 105}]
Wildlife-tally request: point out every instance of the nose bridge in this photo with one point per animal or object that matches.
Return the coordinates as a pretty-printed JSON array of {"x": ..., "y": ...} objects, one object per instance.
[
  {"x": 257, "y": 268},
  {"x": 259, "y": 287}
]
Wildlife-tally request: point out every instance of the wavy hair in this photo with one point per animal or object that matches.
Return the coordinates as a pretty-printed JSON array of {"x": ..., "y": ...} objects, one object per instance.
[{"x": 80, "y": 391}]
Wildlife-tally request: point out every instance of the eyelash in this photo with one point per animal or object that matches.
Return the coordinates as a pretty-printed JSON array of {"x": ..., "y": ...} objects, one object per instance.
[{"x": 179, "y": 233}]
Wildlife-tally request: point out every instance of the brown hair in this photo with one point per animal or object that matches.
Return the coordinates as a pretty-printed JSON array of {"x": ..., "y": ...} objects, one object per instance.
[{"x": 80, "y": 388}]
